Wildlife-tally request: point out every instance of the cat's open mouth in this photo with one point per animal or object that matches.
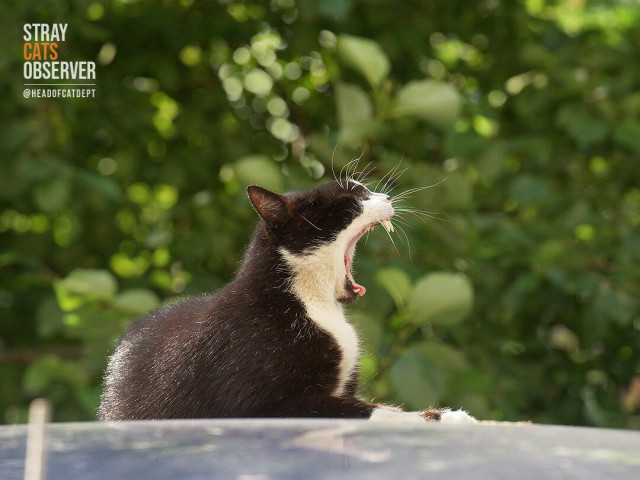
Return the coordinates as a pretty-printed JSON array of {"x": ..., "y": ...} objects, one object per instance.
[{"x": 356, "y": 288}]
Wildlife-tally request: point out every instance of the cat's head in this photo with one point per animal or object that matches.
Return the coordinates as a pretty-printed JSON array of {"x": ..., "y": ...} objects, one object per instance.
[{"x": 316, "y": 232}]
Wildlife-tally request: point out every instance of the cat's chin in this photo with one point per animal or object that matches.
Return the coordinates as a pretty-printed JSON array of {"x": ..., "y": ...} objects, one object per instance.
[{"x": 348, "y": 296}]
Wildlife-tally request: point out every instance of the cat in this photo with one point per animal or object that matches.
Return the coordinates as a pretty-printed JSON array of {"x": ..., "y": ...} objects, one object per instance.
[{"x": 274, "y": 342}]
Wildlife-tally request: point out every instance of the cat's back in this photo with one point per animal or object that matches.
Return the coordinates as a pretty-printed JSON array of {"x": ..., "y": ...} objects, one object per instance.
[
  {"x": 203, "y": 357},
  {"x": 147, "y": 357}
]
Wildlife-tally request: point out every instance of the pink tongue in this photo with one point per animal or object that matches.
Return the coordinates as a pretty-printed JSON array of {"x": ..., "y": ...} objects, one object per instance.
[{"x": 358, "y": 289}]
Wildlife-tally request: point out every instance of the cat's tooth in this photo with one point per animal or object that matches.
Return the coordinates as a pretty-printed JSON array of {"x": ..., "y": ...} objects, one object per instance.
[{"x": 387, "y": 225}]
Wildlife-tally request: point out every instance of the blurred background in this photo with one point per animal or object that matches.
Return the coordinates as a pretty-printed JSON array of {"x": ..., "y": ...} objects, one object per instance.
[{"x": 516, "y": 297}]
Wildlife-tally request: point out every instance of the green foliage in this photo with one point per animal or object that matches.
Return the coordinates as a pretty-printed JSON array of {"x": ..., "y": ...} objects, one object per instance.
[
  {"x": 514, "y": 289},
  {"x": 441, "y": 299},
  {"x": 365, "y": 56},
  {"x": 416, "y": 380},
  {"x": 437, "y": 102},
  {"x": 417, "y": 369}
]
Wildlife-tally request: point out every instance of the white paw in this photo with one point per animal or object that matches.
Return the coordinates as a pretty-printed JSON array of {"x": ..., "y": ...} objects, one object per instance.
[
  {"x": 457, "y": 417},
  {"x": 388, "y": 415}
]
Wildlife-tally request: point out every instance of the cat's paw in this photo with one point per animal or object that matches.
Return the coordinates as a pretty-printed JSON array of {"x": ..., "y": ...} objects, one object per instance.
[
  {"x": 457, "y": 417},
  {"x": 382, "y": 414}
]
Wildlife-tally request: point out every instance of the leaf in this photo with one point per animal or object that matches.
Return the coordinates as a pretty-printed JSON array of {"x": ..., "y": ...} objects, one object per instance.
[
  {"x": 437, "y": 102},
  {"x": 312, "y": 165},
  {"x": 416, "y": 380},
  {"x": 52, "y": 196},
  {"x": 442, "y": 355},
  {"x": 396, "y": 283},
  {"x": 365, "y": 56},
  {"x": 563, "y": 338},
  {"x": 137, "y": 301},
  {"x": 352, "y": 103},
  {"x": 84, "y": 285},
  {"x": 441, "y": 298},
  {"x": 258, "y": 82},
  {"x": 98, "y": 282},
  {"x": 259, "y": 170},
  {"x": 95, "y": 323}
]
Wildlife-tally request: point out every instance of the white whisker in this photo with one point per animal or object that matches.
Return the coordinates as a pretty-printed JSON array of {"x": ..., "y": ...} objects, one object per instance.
[
  {"x": 333, "y": 156},
  {"x": 395, "y": 174},
  {"x": 355, "y": 165},
  {"x": 399, "y": 219},
  {"x": 389, "y": 185},
  {"x": 390, "y": 238},
  {"x": 309, "y": 222},
  {"x": 406, "y": 193},
  {"x": 346, "y": 167},
  {"x": 420, "y": 214},
  {"x": 364, "y": 173},
  {"x": 390, "y": 172},
  {"x": 415, "y": 210},
  {"x": 406, "y": 237}
]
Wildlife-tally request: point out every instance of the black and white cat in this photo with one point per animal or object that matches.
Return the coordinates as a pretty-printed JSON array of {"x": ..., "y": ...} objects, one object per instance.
[{"x": 274, "y": 342}]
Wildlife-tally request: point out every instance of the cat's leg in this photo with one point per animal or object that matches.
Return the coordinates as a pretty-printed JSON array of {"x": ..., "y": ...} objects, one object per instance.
[
  {"x": 443, "y": 415},
  {"x": 456, "y": 417},
  {"x": 327, "y": 406},
  {"x": 324, "y": 406},
  {"x": 383, "y": 413}
]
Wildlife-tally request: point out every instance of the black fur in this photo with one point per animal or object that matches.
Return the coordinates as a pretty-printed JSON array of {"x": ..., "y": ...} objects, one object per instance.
[{"x": 248, "y": 350}]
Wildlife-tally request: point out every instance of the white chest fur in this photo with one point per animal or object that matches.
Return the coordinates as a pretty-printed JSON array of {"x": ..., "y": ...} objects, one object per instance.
[
  {"x": 314, "y": 283},
  {"x": 331, "y": 319}
]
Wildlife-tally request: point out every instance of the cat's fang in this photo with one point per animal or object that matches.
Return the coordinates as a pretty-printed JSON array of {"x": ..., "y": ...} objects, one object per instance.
[{"x": 387, "y": 225}]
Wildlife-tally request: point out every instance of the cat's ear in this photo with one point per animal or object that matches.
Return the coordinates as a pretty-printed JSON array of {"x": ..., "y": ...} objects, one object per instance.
[{"x": 273, "y": 208}]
